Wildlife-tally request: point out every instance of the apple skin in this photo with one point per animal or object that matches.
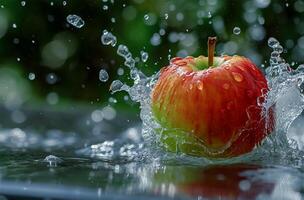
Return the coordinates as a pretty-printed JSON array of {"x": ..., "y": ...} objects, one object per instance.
[{"x": 211, "y": 111}]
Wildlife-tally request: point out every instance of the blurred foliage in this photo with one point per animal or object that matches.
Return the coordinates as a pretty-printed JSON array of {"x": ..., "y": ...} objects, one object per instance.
[{"x": 35, "y": 39}]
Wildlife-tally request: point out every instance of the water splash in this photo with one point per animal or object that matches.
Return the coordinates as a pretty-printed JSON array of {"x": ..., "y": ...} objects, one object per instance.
[
  {"x": 52, "y": 160},
  {"x": 286, "y": 85}
]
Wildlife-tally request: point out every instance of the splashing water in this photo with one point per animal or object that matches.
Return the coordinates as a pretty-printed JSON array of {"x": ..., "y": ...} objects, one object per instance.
[{"x": 286, "y": 85}]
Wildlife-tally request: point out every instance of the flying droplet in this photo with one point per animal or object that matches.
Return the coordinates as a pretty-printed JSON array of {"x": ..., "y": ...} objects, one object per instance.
[
  {"x": 116, "y": 85},
  {"x": 107, "y": 38},
  {"x": 75, "y": 21},
  {"x": 278, "y": 48},
  {"x": 31, "y": 76},
  {"x": 166, "y": 16},
  {"x": 236, "y": 30},
  {"x": 144, "y": 56},
  {"x": 51, "y": 78},
  {"x": 272, "y": 42},
  {"x": 129, "y": 62},
  {"x": 146, "y": 17},
  {"x": 103, "y": 75},
  {"x": 237, "y": 77},
  {"x": 23, "y": 3},
  {"x": 275, "y": 54},
  {"x": 123, "y": 51},
  {"x": 209, "y": 14}
]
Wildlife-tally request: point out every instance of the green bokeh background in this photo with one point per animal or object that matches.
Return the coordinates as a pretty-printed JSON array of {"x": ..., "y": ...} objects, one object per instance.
[{"x": 43, "y": 43}]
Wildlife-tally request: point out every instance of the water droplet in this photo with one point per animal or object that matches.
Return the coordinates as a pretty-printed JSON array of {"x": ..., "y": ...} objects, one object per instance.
[
  {"x": 14, "y": 25},
  {"x": 116, "y": 85},
  {"x": 123, "y": 51},
  {"x": 120, "y": 71},
  {"x": 23, "y": 3},
  {"x": 146, "y": 17},
  {"x": 278, "y": 48},
  {"x": 18, "y": 59},
  {"x": 162, "y": 32},
  {"x": 166, "y": 16},
  {"x": 103, "y": 75},
  {"x": 113, "y": 20},
  {"x": 209, "y": 14},
  {"x": 51, "y": 78},
  {"x": 144, "y": 56},
  {"x": 105, "y": 7},
  {"x": 275, "y": 54},
  {"x": 237, "y": 77},
  {"x": 64, "y": 3},
  {"x": 272, "y": 42},
  {"x": 200, "y": 85},
  {"x": 31, "y": 76},
  {"x": 75, "y": 21},
  {"x": 112, "y": 100},
  {"x": 129, "y": 62},
  {"x": 236, "y": 30},
  {"x": 107, "y": 38}
]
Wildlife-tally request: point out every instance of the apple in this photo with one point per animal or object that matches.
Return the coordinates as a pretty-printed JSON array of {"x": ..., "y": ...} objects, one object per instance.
[{"x": 211, "y": 106}]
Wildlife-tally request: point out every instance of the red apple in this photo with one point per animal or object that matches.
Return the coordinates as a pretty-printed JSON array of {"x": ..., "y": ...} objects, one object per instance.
[{"x": 211, "y": 106}]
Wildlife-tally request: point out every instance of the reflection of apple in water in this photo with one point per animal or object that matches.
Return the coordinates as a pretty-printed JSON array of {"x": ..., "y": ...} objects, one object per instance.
[
  {"x": 208, "y": 106},
  {"x": 213, "y": 182}
]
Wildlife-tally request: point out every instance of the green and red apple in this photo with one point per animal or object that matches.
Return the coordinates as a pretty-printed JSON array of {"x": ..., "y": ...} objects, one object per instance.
[{"x": 211, "y": 106}]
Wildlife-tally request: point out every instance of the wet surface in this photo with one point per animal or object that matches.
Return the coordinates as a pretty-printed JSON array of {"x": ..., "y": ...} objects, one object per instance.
[{"x": 58, "y": 163}]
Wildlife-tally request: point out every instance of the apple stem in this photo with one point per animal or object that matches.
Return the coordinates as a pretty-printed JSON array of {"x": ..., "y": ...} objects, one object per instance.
[{"x": 211, "y": 48}]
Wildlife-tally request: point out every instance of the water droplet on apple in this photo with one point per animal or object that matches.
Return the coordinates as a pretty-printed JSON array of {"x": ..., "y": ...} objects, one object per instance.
[
  {"x": 190, "y": 86},
  {"x": 226, "y": 86},
  {"x": 200, "y": 85},
  {"x": 237, "y": 77}
]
